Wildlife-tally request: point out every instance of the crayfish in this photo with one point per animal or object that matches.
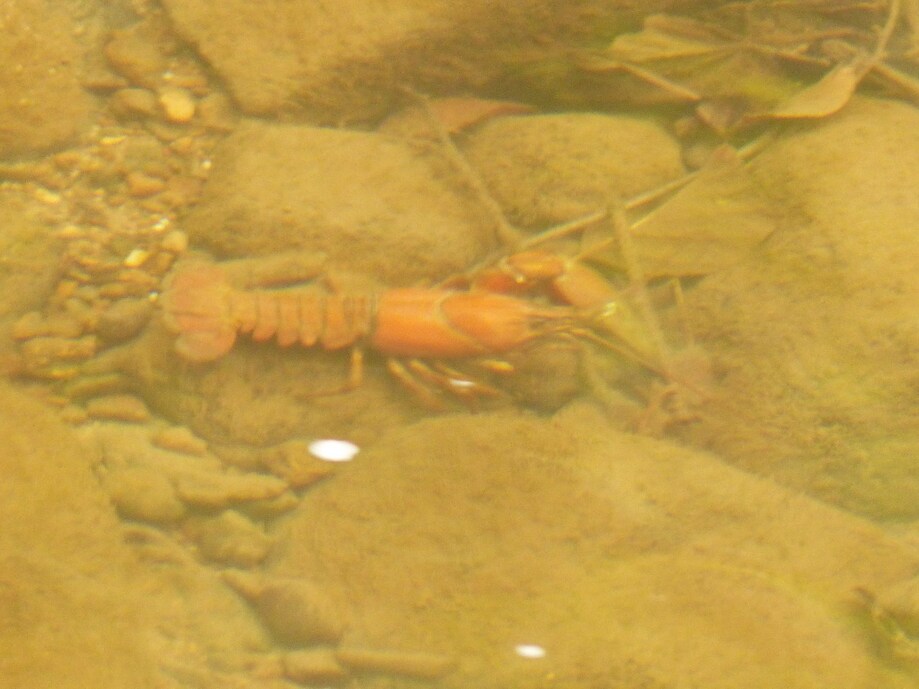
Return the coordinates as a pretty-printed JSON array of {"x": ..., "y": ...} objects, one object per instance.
[
  {"x": 207, "y": 313},
  {"x": 492, "y": 311}
]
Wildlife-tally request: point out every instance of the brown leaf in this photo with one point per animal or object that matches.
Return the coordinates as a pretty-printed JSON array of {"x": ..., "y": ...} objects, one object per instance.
[
  {"x": 827, "y": 96},
  {"x": 666, "y": 38},
  {"x": 711, "y": 223},
  {"x": 457, "y": 114}
]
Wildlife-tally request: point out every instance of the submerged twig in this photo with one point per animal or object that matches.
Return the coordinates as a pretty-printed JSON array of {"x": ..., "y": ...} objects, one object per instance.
[{"x": 506, "y": 234}]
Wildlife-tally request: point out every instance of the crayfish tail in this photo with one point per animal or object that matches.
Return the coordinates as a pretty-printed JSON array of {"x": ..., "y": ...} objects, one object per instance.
[{"x": 195, "y": 304}]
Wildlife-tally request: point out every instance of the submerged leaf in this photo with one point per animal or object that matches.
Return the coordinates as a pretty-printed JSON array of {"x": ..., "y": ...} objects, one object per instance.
[
  {"x": 666, "y": 38},
  {"x": 691, "y": 61},
  {"x": 635, "y": 84},
  {"x": 827, "y": 96},
  {"x": 458, "y": 114},
  {"x": 710, "y": 224}
]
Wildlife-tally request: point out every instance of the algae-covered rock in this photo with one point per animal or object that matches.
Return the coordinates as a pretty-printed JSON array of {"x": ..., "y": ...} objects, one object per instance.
[
  {"x": 815, "y": 337},
  {"x": 72, "y": 618},
  {"x": 629, "y": 561},
  {"x": 370, "y": 203},
  {"x": 549, "y": 169},
  {"x": 42, "y": 104},
  {"x": 351, "y": 59}
]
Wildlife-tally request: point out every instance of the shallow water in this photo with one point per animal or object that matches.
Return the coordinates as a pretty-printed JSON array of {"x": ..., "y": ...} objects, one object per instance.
[{"x": 703, "y": 477}]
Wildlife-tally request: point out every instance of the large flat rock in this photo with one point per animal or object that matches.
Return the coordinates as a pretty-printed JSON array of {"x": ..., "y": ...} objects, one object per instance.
[
  {"x": 630, "y": 561},
  {"x": 815, "y": 337},
  {"x": 350, "y": 59}
]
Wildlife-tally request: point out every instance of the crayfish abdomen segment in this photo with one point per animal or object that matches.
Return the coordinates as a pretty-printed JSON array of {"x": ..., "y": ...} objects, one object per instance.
[{"x": 308, "y": 316}]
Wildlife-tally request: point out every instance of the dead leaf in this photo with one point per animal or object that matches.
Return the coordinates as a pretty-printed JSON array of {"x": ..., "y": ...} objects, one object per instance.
[
  {"x": 691, "y": 61},
  {"x": 827, "y": 96},
  {"x": 711, "y": 223},
  {"x": 723, "y": 115},
  {"x": 458, "y": 114},
  {"x": 453, "y": 114},
  {"x": 666, "y": 37},
  {"x": 657, "y": 89}
]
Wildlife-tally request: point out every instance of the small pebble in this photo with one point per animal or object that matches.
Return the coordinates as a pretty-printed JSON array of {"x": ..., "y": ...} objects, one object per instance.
[
  {"x": 118, "y": 408},
  {"x": 180, "y": 439},
  {"x": 293, "y": 462},
  {"x": 215, "y": 491},
  {"x": 84, "y": 314},
  {"x": 178, "y": 104},
  {"x": 271, "y": 508},
  {"x": 124, "y": 319},
  {"x": 295, "y": 611},
  {"x": 94, "y": 385},
  {"x": 530, "y": 651},
  {"x": 34, "y": 324},
  {"x": 230, "y": 539},
  {"x": 134, "y": 56},
  {"x": 29, "y": 325},
  {"x": 134, "y": 103},
  {"x": 313, "y": 666},
  {"x": 136, "y": 258},
  {"x": 141, "y": 185},
  {"x": 144, "y": 495},
  {"x": 45, "y": 351},
  {"x": 73, "y": 414}
]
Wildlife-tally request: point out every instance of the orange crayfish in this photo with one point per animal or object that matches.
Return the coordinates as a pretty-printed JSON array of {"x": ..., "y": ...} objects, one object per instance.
[{"x": 207, "y": 313}]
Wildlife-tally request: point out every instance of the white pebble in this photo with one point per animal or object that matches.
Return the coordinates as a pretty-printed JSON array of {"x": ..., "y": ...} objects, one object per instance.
[
  {"x": 333, "y": 450},
  {"x": 136, "y": 258},
  {"x": 178, "y": 104},
  {"x": 530, "y": 651}
]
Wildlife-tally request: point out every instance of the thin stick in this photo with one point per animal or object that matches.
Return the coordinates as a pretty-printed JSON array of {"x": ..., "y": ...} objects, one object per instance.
[
  {"x": 563, "y": 230},
  {"x": 505, "y": 233},
  {"x": 884, "y": 38},
  {"x": 746, "y": 153},
  {"x": 911, "y": 13}
]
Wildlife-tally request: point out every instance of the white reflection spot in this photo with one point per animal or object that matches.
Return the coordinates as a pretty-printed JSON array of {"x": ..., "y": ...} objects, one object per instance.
[
  {"x": 330, "y": 450},
  {"x": 530, "y": 651}
]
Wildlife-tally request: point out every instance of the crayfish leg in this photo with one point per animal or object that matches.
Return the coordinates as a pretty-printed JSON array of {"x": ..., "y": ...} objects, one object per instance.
[
  {"x": 356, "y": 368},
  {"x": 458, "y": 383},
  {"x": 411, "y": 383},
  {"x": 425, "y": 380}
]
